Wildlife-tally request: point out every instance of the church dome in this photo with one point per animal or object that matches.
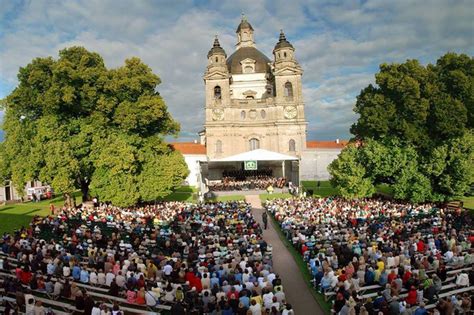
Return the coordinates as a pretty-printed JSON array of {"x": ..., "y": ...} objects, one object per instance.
[
  {"x": 283, "y": 42},
  {"x": 261, "y": 61},
  {"x": 244, "y": 24},
  {"x": 216, "y": 49}
]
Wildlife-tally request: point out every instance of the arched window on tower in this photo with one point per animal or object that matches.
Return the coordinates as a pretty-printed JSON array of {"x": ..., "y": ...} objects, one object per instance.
[
  {"x": 217, "y": 92},
  {"x": 288, "y": 90},
  {"x": 292, "y": 145},
  {"x": 218, "y": 146},
  {"x": 254, "y": 144}
]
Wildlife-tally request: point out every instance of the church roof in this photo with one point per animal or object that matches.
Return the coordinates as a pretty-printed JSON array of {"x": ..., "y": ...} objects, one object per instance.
[
  {"x": 216, "y": 49},
  {"x": 261, "y": 61},
  {"x": 189, "y": 148},
  {"x": 257, "y": 155},
  {"x": 282, "y": 42},
  {"x": 326, "y": 144},
  {"x": 244, "y": 24}
]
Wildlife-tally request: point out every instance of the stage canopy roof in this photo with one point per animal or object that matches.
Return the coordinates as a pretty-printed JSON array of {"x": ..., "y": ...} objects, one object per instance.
[{"x": 257, "y": 155}]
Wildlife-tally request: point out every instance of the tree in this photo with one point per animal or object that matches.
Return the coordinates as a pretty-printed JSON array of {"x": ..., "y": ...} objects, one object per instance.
[
  {"x": 349, "y": 175},
  {"x": 418, "y": 105},
  {"x": 415, "y": 129},
  {"x": 75, "y": 124}
]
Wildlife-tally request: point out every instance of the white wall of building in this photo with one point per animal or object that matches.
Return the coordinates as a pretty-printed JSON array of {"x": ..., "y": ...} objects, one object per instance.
[
  {"x": 9, "y": 193},
  {"x": 242, "y": 83},
  {"x": 192, "y": 160},
  {"x": 314, "y": 163}
]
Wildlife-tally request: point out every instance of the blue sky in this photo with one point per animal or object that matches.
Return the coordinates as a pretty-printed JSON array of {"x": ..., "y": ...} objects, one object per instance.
[{"x": 339, "y": 44}]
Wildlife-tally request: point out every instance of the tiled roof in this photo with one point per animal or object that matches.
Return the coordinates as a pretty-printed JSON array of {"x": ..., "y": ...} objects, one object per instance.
[
  {"x": 189, "y": 147},
  {"x": 326, "y": 144}
]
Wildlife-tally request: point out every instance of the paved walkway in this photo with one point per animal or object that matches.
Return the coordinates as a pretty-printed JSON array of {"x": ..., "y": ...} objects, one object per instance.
[{"x": 296, "y": 291}]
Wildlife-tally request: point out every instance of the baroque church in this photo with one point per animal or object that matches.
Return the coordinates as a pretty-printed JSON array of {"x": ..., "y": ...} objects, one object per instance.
[
  {"x": 255, "y": 111},
  {"x": 253, "y": 102}
]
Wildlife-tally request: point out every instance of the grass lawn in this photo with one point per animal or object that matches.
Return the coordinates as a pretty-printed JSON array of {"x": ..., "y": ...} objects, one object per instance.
[
  {"x": 264, "y": 197},
  {"x": 186, "y": 189},
  {"x": 14, "y": 216},
  {"x": 468, "y": 202},
  {"x": 326, "y": 306},
  {"x": 183, "y": 193},
  {"x": 384, "y": 189},
  {"x": 324, "y": 190}
]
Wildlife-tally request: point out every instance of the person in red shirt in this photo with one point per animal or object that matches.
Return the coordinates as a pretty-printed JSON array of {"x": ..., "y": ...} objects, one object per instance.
[
  {"x": 391, "y": 276},
  {"x": 411, "y": 298},
  {"x": 343, "y": 276},
  {"x": 420, "y": 246},
  {"x": 193, "y": 281},
  {"x": 25, "y": 275},
  {"x": 304, "y": 248},
  {"x": 406, "y": 276},
  {"x": 233, "y": 294}
]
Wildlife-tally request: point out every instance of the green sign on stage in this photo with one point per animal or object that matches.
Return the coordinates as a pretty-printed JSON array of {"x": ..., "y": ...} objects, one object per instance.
[{"x": 250, "y": 165}]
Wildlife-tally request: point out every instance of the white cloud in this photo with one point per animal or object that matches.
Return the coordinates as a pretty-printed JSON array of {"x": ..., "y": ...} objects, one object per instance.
[{"x": 339, "y": 45}]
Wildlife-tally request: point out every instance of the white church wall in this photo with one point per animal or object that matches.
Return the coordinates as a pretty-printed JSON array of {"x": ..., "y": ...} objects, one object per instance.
[
  {"x": 192, "y": 160},
  {"x": 242, "y": 83},
  {"x": 314, "y": 163}
]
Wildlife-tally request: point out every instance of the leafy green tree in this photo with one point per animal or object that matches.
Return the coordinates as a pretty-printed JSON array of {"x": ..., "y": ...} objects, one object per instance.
[
  {"x": 418, "y": 105},
  {"x": 75, "y": 124},
  {"x": 349, "y": 176},
  {"x": 415, "y": 129}
]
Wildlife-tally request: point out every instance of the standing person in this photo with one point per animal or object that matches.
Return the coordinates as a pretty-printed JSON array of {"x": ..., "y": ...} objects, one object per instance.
[{"x": 265, "y": 220}]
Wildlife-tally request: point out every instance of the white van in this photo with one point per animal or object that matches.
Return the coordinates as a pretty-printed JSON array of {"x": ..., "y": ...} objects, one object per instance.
[{"x": 41, "y": 192}]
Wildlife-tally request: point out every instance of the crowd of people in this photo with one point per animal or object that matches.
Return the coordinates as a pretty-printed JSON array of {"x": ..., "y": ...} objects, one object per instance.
[
  {"x": 249, "y": 183},
  {"x": 199, "y": 259},
  {"x": 243, "y": 174},
  {"x": 402, "y": 251}
]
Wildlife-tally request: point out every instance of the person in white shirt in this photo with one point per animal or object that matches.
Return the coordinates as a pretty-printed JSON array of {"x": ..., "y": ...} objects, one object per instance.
[
  {"x": 30, "y": 304},
  {"x": 462, "y": 279},
  {"x": 151, "y": 298},
  {"x": 167, "y": 270},
  {"x": 288, "y": 310},
  {"x": 280, "y": 295},
  {"x": 66, "y": 271},
  {"x": 101, "y": 278},
  {"x": 268, "y": 299},
  {"x": 58, "y": 287},
  {"x": 96, "y": 309},
  {"x": 93, "y": 278},
  {"x": 448, "y": 256},
  {"x": 109, "y": 277},
  {"x": 271, "y": 277},
  {"x": 275, "y": 304},
  {"x": 255, "y": 308},
  {"x": 120, "y": 280}
]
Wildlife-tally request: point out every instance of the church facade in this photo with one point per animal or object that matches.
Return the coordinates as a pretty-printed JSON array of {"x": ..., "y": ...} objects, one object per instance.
[
  {"x": 253, "y": 102},
  {"x": 256, "y": 102}
]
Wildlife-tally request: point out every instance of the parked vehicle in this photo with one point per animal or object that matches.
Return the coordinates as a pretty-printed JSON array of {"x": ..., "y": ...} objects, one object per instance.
[{"x": 41, "y": 192}]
